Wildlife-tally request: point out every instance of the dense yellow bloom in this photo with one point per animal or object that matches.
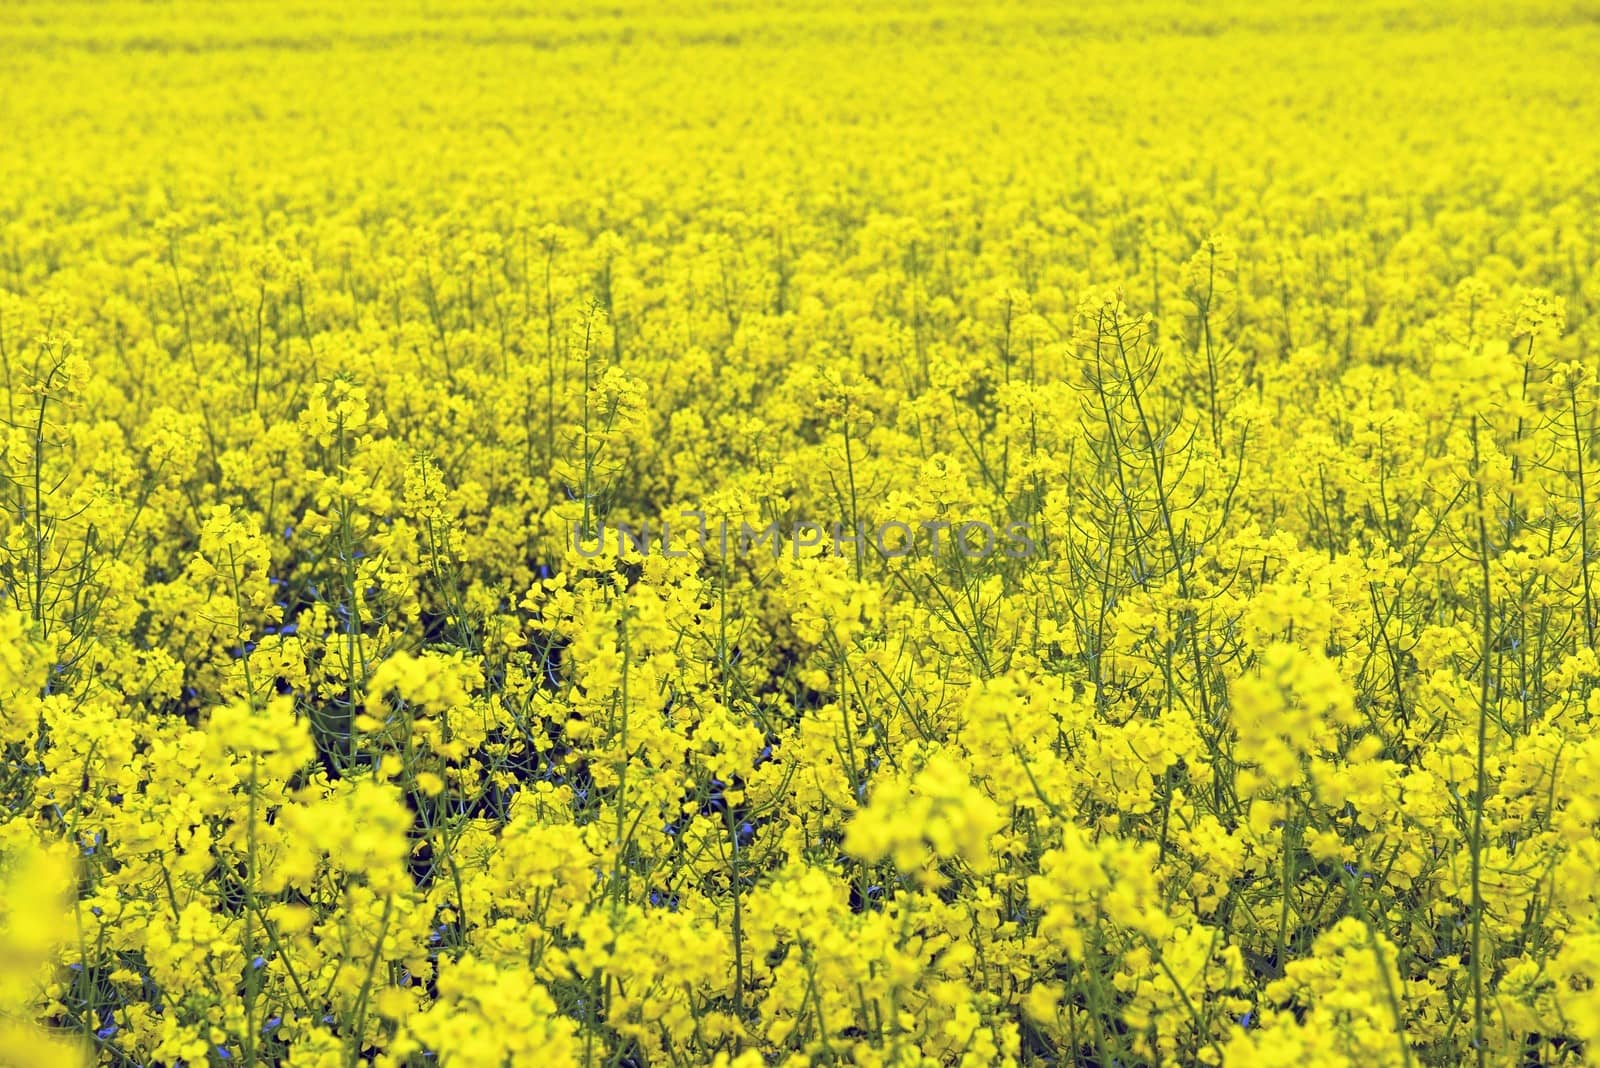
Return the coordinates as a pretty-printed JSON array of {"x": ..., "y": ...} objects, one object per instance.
[
  {"x": 934, "y": 816},
  {"x": 33, "y": 887},
  {"x": 904, "y": 534}
]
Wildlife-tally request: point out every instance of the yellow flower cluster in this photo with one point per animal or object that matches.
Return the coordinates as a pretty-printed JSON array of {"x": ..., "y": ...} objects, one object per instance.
[{"x": 905, "y": 534}]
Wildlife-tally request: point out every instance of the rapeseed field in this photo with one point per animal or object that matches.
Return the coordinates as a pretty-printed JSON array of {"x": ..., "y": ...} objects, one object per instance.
[{"x": 894, "y": 534}]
